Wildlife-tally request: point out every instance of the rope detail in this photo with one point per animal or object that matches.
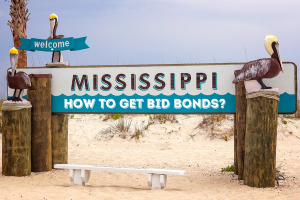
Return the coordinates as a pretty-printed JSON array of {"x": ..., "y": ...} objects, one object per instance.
[{"x": 267, "y": 94}]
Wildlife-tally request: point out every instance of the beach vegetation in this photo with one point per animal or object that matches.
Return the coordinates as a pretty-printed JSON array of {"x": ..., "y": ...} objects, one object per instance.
[
  {"x": 149, "y": 123},
  {"x": 279, "y": 175},
  {"x": 112, "y": 116},
  {"x": 289, "y": 116},
  {"x": 284, "y": 121},
  {"x": 225, "y": 138},
  {"x": 228, "y": 169},
  {"x": 139, "y": 131},
  {"x": 122, "y": 125},
  {"x": 211, "y": 122},
  {"x": 297, "y": 114},
  {"x": 120, "y": 128},
  {"x": 72, "y": 116},
  {"x": 160, "y": 118},
  {"x": 163, "y": 118},
  {"x": 117, "y": 116}
]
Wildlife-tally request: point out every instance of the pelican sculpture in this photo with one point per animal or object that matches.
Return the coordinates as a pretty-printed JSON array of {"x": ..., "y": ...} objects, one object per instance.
[
  {"x": 56, "y": 55},
  {"x": 18, "y": 81},
  {"x": 253, "y": 72}
]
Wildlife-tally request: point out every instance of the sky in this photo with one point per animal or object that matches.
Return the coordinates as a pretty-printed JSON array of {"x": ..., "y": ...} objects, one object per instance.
[{"x": 159, "y": 31}]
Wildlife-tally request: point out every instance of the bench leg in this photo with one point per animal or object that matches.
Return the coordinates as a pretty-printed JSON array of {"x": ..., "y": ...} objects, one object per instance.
[
  {"x": 79, "y": 176},
  {"x": 157, "y": 181}
]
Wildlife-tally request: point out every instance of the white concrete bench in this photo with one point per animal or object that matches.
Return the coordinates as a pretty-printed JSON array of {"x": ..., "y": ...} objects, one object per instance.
[{"x": 80, "y": 174}]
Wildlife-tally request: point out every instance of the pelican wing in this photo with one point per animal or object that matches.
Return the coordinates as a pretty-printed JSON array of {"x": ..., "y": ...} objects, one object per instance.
[
  {"x": 253, "y": 70},
  {"x": 19, "y": 81}
]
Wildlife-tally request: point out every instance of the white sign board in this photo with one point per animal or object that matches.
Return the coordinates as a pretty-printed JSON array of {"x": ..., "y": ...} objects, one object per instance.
[{"x": 178, "y": 88}]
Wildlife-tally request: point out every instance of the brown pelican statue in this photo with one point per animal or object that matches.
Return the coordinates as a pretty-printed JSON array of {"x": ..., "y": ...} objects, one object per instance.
[
  {"x": 253, "y": 72},
  {"x": 18, "y": 81},
  {"x": 56, "y": 56}
]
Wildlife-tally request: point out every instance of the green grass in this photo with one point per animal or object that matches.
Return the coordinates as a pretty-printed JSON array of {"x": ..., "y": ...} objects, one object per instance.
[
  {"x": 139, "y": 131},
  {"x": 117, "y": 116},
  {"x": 289, "y": 117},
  {"x": 122, "y": 125},
  {"x": 163, "y": 118},
  {"x": 113, "y": 116},
  {"x": 225, "y": 138},
  {"x": 228, "y": 169},
  {"x": 149, "y": 123}
]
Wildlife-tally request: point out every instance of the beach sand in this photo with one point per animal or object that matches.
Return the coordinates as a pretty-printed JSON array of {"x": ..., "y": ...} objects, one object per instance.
[{"x": 167, "y": 145}]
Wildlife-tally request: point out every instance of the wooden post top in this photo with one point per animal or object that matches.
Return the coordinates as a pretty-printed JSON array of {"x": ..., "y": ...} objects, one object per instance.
[
  {"x": 15, "y": 105},
  {"x": 268, "y": 93},
  {"x": 40, "y": 75}
]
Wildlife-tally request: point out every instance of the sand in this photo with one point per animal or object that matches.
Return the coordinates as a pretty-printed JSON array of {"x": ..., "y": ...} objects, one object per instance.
[{"x": 167, "y": 145}]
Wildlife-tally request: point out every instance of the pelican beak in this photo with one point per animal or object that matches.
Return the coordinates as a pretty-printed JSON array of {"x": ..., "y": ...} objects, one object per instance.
[
  {"x": 276, "y": 51},
  {"x": 13, "y": 62},
  {"x": 52, "y": 24},
  {"x": 53, "y": 20}
]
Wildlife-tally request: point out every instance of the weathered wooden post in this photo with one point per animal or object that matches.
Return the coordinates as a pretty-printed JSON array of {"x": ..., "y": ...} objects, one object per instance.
[
  {"x": 40, "y": 97},
  {"x": 235, "y": 147},
  {"x": 261, "y": 137},
  {"x": 59, "y": 124},
  {"x": 16, "y": 140},
  {"x": 241, "y": 110}
]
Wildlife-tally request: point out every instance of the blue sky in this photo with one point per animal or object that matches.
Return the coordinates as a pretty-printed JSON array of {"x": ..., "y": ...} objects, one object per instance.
[{"x": 160, "y": 31}]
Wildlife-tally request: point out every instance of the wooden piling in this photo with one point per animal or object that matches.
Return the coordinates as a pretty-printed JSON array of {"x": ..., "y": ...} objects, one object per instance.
[
  {"x": 16, "y": 142},
  {"x": 40, "y": 97},
  {"x": 241, "y": 109},
  {"x": 261, "y": 137},
  {"x": 59, "y": 133},
  {"x": 235, "y": 147}
]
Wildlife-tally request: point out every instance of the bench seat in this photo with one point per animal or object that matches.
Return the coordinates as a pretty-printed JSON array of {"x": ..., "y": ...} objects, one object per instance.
[{"x": 80, "y": 174}]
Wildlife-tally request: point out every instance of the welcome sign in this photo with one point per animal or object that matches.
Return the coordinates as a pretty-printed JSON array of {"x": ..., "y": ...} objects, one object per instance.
[
  {"x": 179, "y": 88},
  {"x": 72, "y": 44}
]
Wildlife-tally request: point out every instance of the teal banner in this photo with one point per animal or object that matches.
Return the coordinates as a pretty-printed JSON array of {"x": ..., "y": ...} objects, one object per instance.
[{"x": 72, "y": 44}]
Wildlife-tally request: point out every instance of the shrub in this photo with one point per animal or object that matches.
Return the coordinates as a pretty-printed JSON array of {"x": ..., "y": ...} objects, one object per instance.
[
  {"x": 163, "y": 118},
  {"x": 120, "y": 128},
  {"x": 210, "y": 122},
  {"x": 225, "y": 138},
  {"x": 139, "y": 131},
  {"x": 112, "y": 116},
  {"x": 149, "y": 123},
  {"x": 228, "y": 169},
  {"x": 117, "y": 116}
]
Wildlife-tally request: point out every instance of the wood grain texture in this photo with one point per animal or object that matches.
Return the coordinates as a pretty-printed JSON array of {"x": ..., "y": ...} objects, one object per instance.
[
  {"x": 235, "y": 147},
  {"x": 241, "y": 110},
  {"x": 59, "y": 139},
  {"x": 40, "y": 97},
  {"x": 261, "y": 138},
  {"x": 16, "y": 142}
]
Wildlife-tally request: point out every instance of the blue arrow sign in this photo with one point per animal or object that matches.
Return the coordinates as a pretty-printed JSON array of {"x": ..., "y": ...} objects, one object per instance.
[{"x": 72, "y": 44}]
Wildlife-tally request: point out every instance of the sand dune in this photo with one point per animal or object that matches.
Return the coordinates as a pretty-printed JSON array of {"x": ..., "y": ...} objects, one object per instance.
[{"x": 167, "y": 145}]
